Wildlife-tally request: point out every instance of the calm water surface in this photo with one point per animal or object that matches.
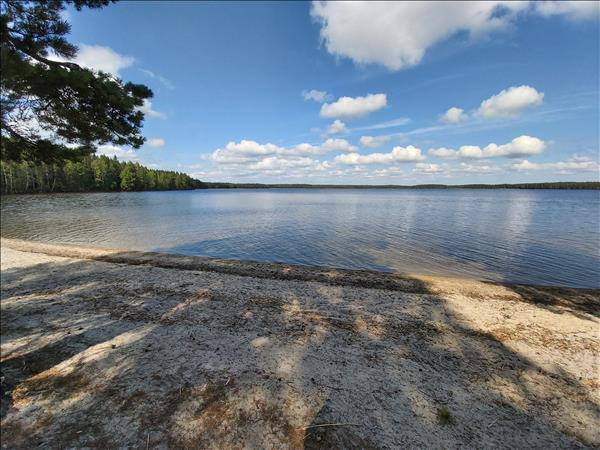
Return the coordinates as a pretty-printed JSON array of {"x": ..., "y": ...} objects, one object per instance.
[{"x": 535, "y": 236}]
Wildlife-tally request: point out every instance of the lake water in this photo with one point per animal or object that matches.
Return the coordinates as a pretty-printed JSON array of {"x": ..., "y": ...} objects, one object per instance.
[{"x": 526, "y": 236}]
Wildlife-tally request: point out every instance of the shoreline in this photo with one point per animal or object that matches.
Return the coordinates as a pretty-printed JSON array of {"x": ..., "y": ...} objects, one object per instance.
[
  {"x": 408, "y": 282},
  {"x": 585, "y": 186},
  {"x": 114, "y": 348}
]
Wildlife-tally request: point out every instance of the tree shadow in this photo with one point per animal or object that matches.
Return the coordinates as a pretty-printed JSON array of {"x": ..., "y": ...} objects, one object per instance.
[
  {"x": 579, "y": 302},
  {"x": 231, "y": 354}
]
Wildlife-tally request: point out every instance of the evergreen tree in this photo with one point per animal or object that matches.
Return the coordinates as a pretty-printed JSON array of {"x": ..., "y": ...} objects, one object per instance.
[
  {"x": 53, "y": 109},
  {"x": 129, "y": 179},
  {"x": 93, "y": 173}
]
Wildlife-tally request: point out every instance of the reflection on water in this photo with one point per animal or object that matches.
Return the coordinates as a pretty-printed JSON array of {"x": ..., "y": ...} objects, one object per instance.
[{"x": 535, "y": 236}]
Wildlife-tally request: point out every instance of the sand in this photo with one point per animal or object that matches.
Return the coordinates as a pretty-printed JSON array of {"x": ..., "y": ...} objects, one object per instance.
[{"x": 114, "y": 349}]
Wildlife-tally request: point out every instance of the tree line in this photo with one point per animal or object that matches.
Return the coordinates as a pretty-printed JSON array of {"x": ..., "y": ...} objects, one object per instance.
[
  {"x": 88, "y": 174},
  {"x": 550, "y": 185}
]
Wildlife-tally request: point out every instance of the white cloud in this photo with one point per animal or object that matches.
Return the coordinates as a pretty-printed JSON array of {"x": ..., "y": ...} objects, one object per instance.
[
  {"x": 272, "y": 166},
  {"x": 577, "y": 10},
  {"x": 510, "y": 102},
  {"x": 119, "y": 152},
  {"x": 330, "y": 145},
  {"x": 353, "y": 107},
  {"x": 526, "y": 165},
  {"x": 475, "y": 168},
  {"x": 301, "y": 149},
  {"x": 278, "y": 163},
  {"x": 249, "y": 151},
  {"x": 397, "y": 34},
  {"x": 337, "y": 127},
  {"x": 164, "y": 81},
  {"x": 244, "y": 151},
  {"x": 448, "y": 170},
  {"x": 146, "y": 108},
  {"x": 337, "y": 145},
  {"x": 398, "y": 154},
  {"x": 98, "y": 58},
  {"x": 392, "y": 171},
  {"x": 519, "y": 146},
  {"x": 574, "y": 164},
  {"x": 105, "y": 59},
  {"x": 156, "y": 142},
  {"x": 373, "y": 141},
  {"x": 443, "y": 152},
  {"x": 317, "y": 96},
  {"x": 454, "y": 115},
  {"x": 387, "y": 124},
  {"x": 429, "y": 168}
]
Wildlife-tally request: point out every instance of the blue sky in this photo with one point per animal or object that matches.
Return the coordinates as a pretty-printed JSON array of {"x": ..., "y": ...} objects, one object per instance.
[{"x": 358, "y": 93}]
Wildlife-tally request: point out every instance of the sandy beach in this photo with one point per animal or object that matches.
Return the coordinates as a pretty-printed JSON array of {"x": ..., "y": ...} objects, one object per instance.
[{"x": 119, "y": 349}]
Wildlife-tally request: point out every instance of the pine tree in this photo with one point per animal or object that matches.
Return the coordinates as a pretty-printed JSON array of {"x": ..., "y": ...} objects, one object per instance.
[
  {"x": 73, "y": 109},
  {"x": 128, "y": 177}
]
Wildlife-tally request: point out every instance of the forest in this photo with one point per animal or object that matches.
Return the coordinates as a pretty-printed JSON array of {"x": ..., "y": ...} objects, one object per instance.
[
  {"x": 103, "y": 174},
  {"x": 552, "y": 185},
  {"x": 89, "y": 174}
]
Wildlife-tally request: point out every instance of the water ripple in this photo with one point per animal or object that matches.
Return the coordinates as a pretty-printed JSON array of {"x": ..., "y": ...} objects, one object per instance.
[{"x": 540, "y": 237}]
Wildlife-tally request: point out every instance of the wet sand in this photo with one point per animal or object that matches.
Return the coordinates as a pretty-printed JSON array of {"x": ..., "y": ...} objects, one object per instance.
[{"x": 119, "y": 349}]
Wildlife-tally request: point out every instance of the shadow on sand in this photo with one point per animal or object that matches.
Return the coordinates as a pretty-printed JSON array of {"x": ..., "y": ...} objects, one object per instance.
[{"x": 103, "y": 355}]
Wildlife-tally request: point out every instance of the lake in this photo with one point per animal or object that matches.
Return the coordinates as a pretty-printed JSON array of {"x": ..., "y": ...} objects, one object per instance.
[{"x": 546, "y": 237}]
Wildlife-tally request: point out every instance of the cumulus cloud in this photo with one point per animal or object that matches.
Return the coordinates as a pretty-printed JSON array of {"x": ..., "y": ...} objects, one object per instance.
[
  {"x": 337, "y": 145},
  {"x": 510, "y": 102},
  {"x": 577, "y": 10},
  {"x": 373, "y": 141},
  {"x": 279, "y": 163},
  {"x": 300, "y": 149},
  {"x": 443, "y": 152},
  {"x": 398, "y": 34},
  {"x": 429, "y": 168},
  {"x": 519, "y": 146},
  {"x": 393, "y": 171},
  {"x": 147, "y": 109},
  {"x": 454, "y": 115},
  {"x": 574, "y": 164},
  {"x": 475, "y": 168},
  {"x": 337, "y": 127},
  {"x": 244, "y": 151},
  {"x": 249, "y": 151},
  {"x": 317, "y": 96},
  {"x": 447, "y": 170},
  {"x": 330, "y": 145},
  {"x": 247, "y": 158},
  {"x": 113, "y": 150},
  {"x": 353, "y": 107},
  {"x": 99, "y": 58},
  {"x": 398, "y": 154},
  {"x": 156, "y": 142}
]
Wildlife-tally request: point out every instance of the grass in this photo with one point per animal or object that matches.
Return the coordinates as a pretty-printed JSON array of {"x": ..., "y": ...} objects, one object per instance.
[{"x": 445, "y": 417}]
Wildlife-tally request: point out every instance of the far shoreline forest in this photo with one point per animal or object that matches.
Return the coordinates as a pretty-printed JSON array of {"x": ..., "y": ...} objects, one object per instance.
[
  {"x": 103, "y": 174},
  {"x": 89, "y": 174}
]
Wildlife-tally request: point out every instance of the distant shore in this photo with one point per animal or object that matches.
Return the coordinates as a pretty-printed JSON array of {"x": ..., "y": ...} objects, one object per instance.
[
  {"x": 111, "y": 348},
  {"x": 583, "y": 185},
  {"x": 593, "y": 185}
]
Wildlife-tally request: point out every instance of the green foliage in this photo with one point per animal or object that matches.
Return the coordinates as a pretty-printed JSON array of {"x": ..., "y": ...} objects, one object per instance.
[
  {"x": 129, "y": 179},
  {"x": 90, "y": 173},
  {"x": 445, "y": 417},
  {"x": 55, "y": 110}
]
